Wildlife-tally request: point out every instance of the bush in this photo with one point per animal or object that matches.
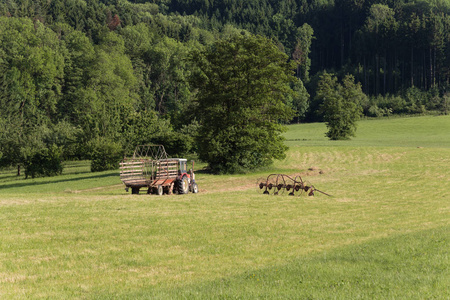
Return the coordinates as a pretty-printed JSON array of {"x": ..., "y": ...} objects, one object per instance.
[
  {"x": 445, "y": 104},
  {"x": 341, "y": 105},
  {"x": 105, "y": 155},
  {"x": 182, "y": 142},
  {"x": 45, "y": 162},
  {"x": 375, "y": 111}
]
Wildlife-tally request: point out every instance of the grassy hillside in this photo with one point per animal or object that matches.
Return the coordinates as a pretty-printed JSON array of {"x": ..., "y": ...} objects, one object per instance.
[
  {"x": 424, "y": 131},
  {"x": 383, "y": 234}
]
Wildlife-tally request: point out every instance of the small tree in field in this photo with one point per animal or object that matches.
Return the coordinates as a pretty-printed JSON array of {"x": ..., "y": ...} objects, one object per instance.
[
  {"x": 341, "y": 105},
  {"x": 243, "y": 85}
]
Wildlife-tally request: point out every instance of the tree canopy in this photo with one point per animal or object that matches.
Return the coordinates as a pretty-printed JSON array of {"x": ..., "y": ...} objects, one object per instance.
[
  {"x": 78, "y": 75},
  {"x": 341, "y": 105},
  {"x": 243, "y": 83}
]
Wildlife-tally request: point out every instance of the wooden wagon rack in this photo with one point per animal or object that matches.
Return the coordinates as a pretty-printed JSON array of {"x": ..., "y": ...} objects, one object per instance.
[
  {"x": 147, "y": 173},
  {"x": 150, "y": 168}
]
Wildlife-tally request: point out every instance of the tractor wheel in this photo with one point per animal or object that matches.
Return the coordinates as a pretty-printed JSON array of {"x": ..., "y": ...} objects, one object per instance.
[
  {"x": 183, "y": 185},
  {"x": 194, "y": 188},
  {"x": 159, "y": 190}
]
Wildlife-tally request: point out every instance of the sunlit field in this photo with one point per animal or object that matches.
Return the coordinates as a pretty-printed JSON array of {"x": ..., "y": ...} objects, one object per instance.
[{"x": 383, "y": 235}]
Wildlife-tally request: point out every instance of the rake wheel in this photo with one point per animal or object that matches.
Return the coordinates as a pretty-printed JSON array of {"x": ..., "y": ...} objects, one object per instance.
[{"x": 261, "y": 185}]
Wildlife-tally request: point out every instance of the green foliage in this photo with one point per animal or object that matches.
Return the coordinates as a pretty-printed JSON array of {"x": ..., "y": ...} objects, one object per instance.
[
  {"x": 44, "y": 162},
  {"x": 96, "y": 69},
  {"x": 31, "y": 70},
  {"x": 105, "y": 154},
  {"x": 445, "y": 104},
  {"x": 66, "y": 136},
  {"x": 341, "y": 105},
  {"x": 10, "y": 141},
  {"x": 302, "y": 51},
  {"x": 243, "y": 83},
  {"x": 300, "y": 99},
  {"x": 146, "y": 127}
]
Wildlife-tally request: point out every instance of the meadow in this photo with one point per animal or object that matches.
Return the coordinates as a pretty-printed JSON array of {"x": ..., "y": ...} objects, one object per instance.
[{"x": 383, "y": 235}]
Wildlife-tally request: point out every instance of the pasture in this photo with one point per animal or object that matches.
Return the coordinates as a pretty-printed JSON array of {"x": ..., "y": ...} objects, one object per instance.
[{"x": 383, "y": 234}]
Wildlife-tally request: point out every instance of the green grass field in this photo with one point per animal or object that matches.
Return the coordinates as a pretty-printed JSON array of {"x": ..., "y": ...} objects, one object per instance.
[{"x": 385, "y": 233}]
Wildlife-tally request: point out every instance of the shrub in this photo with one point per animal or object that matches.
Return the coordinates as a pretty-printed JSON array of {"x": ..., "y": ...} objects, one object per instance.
[
  {"x": 445, "y": 104},
  {"x": 375, "y": 111},
  {"x": 45, "y": 162},
  {"x": 105, "y": 155},
  {"x": 341, "y": 105}
]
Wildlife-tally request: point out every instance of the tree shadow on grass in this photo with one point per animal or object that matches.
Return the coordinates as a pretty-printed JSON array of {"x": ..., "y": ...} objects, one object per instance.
[{"x": 27, "y": 183}]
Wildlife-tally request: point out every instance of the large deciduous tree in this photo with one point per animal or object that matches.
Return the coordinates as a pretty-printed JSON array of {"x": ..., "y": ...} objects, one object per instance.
[
  {"x": 31, "y": 72},
  {"x": 341, "y": 105},
  {"x": 243, "y": 84}
]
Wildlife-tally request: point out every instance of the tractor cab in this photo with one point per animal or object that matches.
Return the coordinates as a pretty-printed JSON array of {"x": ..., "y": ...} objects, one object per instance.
[{"x": 182, "y": 166}]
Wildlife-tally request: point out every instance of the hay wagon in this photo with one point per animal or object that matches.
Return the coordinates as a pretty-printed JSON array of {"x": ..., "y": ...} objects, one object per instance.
[{"x": 150, "y": 168}]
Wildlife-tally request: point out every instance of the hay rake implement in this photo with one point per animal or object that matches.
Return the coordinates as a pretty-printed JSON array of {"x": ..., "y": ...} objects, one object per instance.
[{"x": 277, "y": 184}]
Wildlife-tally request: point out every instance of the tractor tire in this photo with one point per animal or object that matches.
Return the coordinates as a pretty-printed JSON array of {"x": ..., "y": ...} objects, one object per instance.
[
  {"x": 159, "y": 190},
  {"x": 183, "y": 185},
  {"x": 194, "y": 188}
]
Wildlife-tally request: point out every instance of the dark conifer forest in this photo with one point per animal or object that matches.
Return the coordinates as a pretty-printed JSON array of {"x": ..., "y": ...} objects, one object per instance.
[{"x": 93, "y": 78}]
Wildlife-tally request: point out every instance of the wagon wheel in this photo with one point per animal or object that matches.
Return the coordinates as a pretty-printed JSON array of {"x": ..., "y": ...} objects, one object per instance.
[{"x": 159, "y": 190}]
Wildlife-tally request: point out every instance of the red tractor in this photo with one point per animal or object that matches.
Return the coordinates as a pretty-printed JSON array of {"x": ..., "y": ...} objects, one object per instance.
[{"x": 151, "y": 169}]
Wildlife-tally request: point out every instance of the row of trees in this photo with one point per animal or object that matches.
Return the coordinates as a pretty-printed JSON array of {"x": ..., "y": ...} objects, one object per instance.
[
  {"x": 387, "y": 45},
  {"x": 94, "y": 78},
  {"x": 59, "y": 89}
]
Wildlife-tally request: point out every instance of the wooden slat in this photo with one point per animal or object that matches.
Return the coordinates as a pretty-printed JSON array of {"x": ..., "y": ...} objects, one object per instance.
[
  {"x": 135, "y": 181},
  {"x": 130, "y": 177},
  {"x": 132, "y": 168},
  {"x": 163, "y": 182},
  {"x": 132, "y": 172},
  {"x": 131, "y": 163},
  {"x": 167, "y": 163},
  {"x": 159, "y": 174}
]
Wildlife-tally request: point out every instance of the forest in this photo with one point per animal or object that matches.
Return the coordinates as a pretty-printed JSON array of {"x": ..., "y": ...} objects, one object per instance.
[{"x": 90, "y": 79}]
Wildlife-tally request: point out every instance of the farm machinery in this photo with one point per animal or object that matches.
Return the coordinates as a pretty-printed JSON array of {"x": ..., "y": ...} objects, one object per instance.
[
  {"x": 150, "y": 168},
  {"x": 277, "y": 184}
]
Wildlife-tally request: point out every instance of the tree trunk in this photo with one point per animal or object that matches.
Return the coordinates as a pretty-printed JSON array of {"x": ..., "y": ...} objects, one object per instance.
[
  {"x": 434, "y": 68},
  {"x": 377, "y": 73},
  {"x": 431, "y": 68},
  {"x": 342, "y": 46},
  {"x": 412, "y": 66},
  {"x": 384, "y": 74},
  {"x": 366, "y": 89}
]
